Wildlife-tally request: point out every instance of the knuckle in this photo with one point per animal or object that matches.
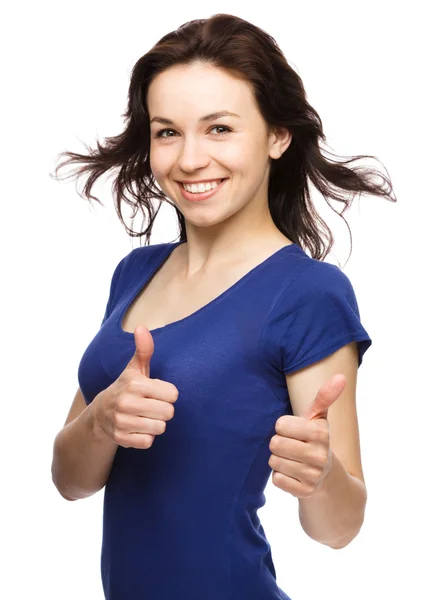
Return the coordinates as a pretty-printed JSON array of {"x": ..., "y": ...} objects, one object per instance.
[
  {"x": 274, "y": 443},
  {"x": 130, "y": 386},
  {"x": 318, "y": 458},
  {"x": 315, "y": 436},
  {"x": 120, "y": 402},
  {"x": 174, "y": 393},
  {"x": 321, "y": 434},
  {"x": 160, "y": 427},
  {"x": 117, "y": 437},
  {"x": 150, "y": 441},
  {"x": 313, "y": 475},
  {"x": 273, "y": 461},
  {"x": 171, "y": 411},
  {"x": 276, "y": 478},
  {"x": 325, "y": 458},
  {"x": 313, "y": 458},
  {"x": 311, "y": 489},
  {"x": 117, "y": 420},
  {"x": 147, "y": 441}
]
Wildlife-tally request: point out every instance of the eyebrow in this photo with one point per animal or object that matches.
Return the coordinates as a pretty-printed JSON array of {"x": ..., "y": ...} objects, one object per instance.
[{"x": 210, "y": 117}]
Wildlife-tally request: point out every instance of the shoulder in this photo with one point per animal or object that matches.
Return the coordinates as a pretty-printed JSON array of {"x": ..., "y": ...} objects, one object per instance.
[
  {"x": 305, "y": 280},
  {"x": 324, "y": 275},
  {"x": 322, "y": 283},
  {"x": 144, "y": 252},
  {"x": 141, "y": 256},
  {"x": 128, "y": 267}
]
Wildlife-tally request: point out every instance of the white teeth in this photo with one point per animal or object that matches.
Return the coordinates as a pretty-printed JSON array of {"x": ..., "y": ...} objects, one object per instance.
[{"x": 201, "y": 187}]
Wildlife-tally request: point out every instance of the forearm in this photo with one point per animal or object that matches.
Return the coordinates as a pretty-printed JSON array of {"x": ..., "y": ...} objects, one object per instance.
[
  {"x": 82, "y": 457},
  {"x": 334, "y": 515}
]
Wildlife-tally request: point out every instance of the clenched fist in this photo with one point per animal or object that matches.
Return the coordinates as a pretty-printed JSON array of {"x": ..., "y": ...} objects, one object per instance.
[{"x": 135, "y": 408}]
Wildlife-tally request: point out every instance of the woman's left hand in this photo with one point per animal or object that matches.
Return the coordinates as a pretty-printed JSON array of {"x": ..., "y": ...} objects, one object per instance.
[{"x": 301, "y": 450}]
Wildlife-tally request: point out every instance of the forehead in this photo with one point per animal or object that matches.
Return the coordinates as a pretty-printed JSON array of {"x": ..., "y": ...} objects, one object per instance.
[{"x": 198, "y": 89}]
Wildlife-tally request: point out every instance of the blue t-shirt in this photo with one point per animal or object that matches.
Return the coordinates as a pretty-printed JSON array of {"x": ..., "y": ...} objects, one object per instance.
[{"x": 180, "y": 518}]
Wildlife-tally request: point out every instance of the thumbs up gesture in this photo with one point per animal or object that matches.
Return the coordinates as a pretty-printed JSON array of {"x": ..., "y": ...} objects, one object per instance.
[
  {"x": 135, "y": 408},
  {"x": 301, "y": 451}
]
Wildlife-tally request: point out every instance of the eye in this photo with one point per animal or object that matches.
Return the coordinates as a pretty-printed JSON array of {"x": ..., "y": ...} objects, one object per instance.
[
  {"x": 227, "y": 129},
  {"x": 160, "y": 133}
]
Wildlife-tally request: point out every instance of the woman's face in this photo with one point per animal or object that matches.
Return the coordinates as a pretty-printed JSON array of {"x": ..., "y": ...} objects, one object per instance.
[{"x": 188, "y": 149}]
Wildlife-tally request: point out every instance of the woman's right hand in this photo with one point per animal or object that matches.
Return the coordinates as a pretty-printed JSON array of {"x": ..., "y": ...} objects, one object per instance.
[{"x": 134, "y": 408}]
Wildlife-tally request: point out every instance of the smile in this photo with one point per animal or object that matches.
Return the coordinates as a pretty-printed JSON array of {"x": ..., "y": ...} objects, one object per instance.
[{"x": 196, "y": 197}]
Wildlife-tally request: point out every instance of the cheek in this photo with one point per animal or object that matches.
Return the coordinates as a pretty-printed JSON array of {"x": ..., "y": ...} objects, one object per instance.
[
  {"x": 241, "y": 158},
  {"x": 232, "y": 158},
  {"x": 236, "y": 157},
  {"x": 160, "y": 161}
]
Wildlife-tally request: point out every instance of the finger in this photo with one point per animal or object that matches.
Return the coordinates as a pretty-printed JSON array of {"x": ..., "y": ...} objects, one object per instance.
[
  {"x": 296, "y": 428},
  {"x": 326, "y": 396},
  {"x": 144, "y": 343},
  {"x": 154, "y": 391}
]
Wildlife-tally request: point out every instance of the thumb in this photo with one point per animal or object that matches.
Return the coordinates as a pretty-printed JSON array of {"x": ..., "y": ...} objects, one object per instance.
[
  {"x": 140, "y": 360},
  {"x": 326, "y": 396}
]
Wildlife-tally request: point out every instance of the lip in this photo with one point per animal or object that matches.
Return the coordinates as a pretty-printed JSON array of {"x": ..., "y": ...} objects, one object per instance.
[
  {"x": 202, "y": 196},
  {"x": 201, "y": 180}
]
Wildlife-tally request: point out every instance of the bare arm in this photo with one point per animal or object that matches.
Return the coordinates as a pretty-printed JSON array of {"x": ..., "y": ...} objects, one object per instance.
[
  {"x": 129, "y": 413},
  {"x": 82, "y": 454}
]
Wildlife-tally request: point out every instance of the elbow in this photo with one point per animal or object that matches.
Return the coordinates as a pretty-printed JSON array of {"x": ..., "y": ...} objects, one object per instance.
[
  {"x": 343, "y": 543},
  {"x": 67, "y": 497},
  {"x": 63, "y": 493},
  {"x": 80, "y": 495},
  {"x": 59, "y": 488}
]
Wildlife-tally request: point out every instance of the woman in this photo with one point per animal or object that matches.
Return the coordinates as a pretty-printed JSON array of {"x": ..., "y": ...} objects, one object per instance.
[{"x": 230, "y": 353}]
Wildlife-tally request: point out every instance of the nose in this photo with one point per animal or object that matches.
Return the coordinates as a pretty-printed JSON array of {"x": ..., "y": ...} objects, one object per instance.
[{"x": 192, "y": 156}]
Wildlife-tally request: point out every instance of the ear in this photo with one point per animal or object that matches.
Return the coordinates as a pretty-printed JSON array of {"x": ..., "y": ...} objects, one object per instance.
[{"x": 279, "y": 140}]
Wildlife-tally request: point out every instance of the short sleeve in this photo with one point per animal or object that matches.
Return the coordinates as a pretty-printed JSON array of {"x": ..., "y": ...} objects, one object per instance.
[
  {"x": 114, "y": 288},
  {"x": 322, "y": 316}
]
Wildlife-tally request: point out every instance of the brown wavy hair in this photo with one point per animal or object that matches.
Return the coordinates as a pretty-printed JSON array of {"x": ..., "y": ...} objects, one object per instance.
[{"x": 245, "y": 50}]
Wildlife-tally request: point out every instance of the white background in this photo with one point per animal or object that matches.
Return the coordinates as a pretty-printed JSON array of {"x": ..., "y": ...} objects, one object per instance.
[{"x": 65, "y": 70}]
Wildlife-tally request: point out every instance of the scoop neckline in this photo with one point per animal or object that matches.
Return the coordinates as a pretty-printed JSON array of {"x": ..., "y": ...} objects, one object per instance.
[{"x": 162, "y": 258}]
